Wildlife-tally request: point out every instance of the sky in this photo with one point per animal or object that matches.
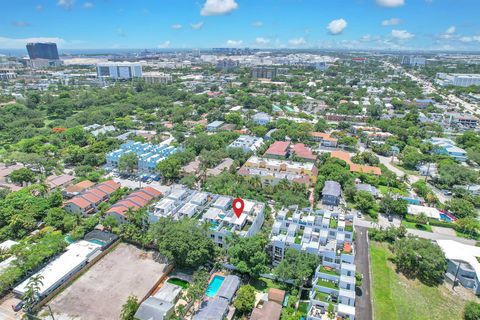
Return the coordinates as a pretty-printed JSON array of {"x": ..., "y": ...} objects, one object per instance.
[{"x": 324, "y": 24}]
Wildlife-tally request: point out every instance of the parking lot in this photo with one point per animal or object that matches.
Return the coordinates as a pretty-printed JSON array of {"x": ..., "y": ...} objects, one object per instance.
[{"x": 102, "y": 290}]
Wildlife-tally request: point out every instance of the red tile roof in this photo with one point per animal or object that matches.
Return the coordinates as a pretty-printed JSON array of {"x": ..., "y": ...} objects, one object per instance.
[
  {"x": 324, "y": 136},
  {"x": 135, "y": 200},
  {"x": 278, "y": 148},
  {"x": 79, "y": 187},
  {"x": 302, "y": 151},
  {"x": 345, "y": 156},
  {"x": 90, "y": 196},
  {"x": 79, "y": 202}
]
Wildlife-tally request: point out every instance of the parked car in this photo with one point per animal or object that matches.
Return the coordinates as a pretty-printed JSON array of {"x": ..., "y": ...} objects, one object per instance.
[
  {"x": 390, "y": 218},
  {"x": 359, "y": 214},
  {"x": 447, "y": 192},
  {"x": 18, "y": 306}
]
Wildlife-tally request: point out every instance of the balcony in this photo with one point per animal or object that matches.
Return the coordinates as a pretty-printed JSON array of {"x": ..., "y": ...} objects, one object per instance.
[
  {"x": 328, "y": 270},
  {"x": 327, "y": 284}
]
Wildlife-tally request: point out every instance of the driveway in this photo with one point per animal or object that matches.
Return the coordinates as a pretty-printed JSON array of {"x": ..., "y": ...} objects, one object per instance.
[{"x": 363, "y": 304}]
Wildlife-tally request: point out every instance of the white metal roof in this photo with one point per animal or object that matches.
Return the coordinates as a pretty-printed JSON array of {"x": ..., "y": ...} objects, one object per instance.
[{"x": 76, "y": 254}]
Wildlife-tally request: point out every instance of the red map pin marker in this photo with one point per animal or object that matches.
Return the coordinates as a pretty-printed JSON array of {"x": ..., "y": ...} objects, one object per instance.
[{"x": 238, "y": 206}]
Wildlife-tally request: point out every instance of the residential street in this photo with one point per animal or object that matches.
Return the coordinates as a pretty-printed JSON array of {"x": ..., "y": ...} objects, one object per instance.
[
  {"x": 418, "y": 233},
  {"x": 362, "y": 262}
]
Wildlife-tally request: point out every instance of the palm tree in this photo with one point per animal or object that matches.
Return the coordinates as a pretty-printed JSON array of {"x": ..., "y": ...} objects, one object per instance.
[{"x": 31, "y": 295}]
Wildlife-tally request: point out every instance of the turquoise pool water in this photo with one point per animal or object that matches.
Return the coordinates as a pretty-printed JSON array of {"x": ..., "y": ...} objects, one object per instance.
[{"x": 214, "y": 285}]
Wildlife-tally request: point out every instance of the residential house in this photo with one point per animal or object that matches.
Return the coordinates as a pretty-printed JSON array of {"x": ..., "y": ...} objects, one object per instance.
[
  {"x": 214, "y": 126},
  {"x": 217, "y": 307},
  {"x": 302, "y": 152},
  {"x": 87, "y": 202},
  {"x": 77, "y": 188},
  {"x": 447, "y": 147},
  {"x": 59, "y": 182},
  {"x": 324, "y": 139},
  {"x": 331, "y": 193},
  {"x": 367, "y": 188},
  {"x": 226, "y": 164},
  {"x": 134, "y": 201},
  {"x": 247, "y": 143},
  {"x": 462, "y": 264},
  {"x": 161, "y": 305},
  {"x": 262, "y": 118},
  {"x": 278, "y": 150}
]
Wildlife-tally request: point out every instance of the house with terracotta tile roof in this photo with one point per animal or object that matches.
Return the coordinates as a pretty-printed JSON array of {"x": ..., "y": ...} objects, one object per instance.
[
  {"x": 77, "y": 188},
  {"x": 324, "y": 138},
  {"x": 278, "y": 150},
  {"x": 87, "y": 202},
  {"x": 359, "y": 168},
  {"x": 134, "y": 201},
  {"x": 301, "y": 151}
]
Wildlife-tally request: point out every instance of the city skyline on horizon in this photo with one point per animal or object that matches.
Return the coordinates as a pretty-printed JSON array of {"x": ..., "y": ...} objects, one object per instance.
[{"x": 422, "y": 25}]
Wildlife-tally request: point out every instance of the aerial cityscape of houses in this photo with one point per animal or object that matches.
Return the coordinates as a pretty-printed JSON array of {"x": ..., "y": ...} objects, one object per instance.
[{"x": 119, "y": 173}]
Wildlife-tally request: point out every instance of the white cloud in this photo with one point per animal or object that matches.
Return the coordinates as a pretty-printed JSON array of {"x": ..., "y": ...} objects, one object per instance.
[
  {"x": 402, "y": 34},
  {"x": 164, "y": 45},
  {"x": 449, "y": 33},
  {"x": 176, "y": 26},
  {"x": 88, "y": 5},
  {"x": 21, "y": 24},
  {"x": 197, "y": 26},
  {"x": 296, "y": 42},
  {"x": 234, "y": 43},
  {"x": 261, "y": 40},
  {"x": 66, "y": 4},
  {"x": 450, "y": 30},
  {"x": 390, "y": 3},
  {"x": 391, "y": 22},
  {"x": 39, "y": 7},
  {"x": 337, "y": 26},
  {"x": 218, "y": 7},
  {"x": 468, "y": 39},
  {"x": 12, "y": 43},
  {"x": 257, "y": 24}
]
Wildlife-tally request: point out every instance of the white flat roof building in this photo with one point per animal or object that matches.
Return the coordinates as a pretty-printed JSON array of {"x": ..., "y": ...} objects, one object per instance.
[{"x": 61, "y": 269}]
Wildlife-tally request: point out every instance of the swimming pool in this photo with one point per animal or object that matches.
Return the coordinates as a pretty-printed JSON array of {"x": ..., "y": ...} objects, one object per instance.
[{"x": 214, "y": 285}]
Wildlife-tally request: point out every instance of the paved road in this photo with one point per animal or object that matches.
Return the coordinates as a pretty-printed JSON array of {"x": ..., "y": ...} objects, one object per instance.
[
  {"x": 363, "y": 303},
  {"x": 421, "y": 234}
]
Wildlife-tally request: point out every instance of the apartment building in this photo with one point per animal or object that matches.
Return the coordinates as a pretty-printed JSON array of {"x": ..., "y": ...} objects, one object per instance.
[
  {"x": 329, "y": 235},
  {"x": 272, "y": 171},
  {"x": 214, "y": 210},
  {"x": 247, "y": 143},
  {"x": 149, "y": 155},
  {"x": 87, "y": 202},
  {"x": 119, "y": 70},
  {"x": 134, "y": 201}
]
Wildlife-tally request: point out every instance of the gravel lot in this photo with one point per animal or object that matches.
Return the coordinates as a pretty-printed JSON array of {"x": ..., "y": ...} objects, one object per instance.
[{"x": 102, "y": 290}]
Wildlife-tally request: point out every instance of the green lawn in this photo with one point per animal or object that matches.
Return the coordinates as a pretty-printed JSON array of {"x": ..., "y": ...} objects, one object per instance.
[
  {"x": 385, "y": 190},
  {"x": 263, "y": 284},
  {"x": 398, "y": 298},
  {"x": 413, "y": 225}
]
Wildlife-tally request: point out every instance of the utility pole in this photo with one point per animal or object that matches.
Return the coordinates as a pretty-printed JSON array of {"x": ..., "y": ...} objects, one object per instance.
[{"x": 456, "y": 275}]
